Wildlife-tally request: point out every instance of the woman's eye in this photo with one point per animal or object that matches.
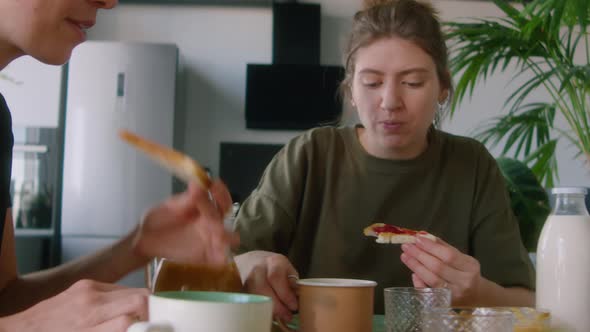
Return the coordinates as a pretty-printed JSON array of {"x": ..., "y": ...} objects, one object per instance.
[
  {"x": 371, "y": 84},
  {"x": 413, "y": 84}
]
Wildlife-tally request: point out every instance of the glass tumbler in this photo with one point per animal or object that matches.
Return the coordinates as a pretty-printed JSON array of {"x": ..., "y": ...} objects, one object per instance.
[
  {"x": 405, "y": 306},
  {"x": 469, "y": 320}
]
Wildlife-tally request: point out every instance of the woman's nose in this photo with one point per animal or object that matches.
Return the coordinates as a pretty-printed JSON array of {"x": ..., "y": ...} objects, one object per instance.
[
  {"x": 105, "y": 4},
  {"x": 390, "y": 98}
]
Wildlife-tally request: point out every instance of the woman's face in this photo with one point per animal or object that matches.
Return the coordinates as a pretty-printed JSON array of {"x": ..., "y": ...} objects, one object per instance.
[
  {"x": 395, "y": 89},
  {"x": 46, "y": 29}
]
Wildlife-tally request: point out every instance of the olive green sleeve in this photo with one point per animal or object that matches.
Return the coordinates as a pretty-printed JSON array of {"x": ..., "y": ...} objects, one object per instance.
[
  {"x": 495, "y": 235},
  {"x": 266, "y": 219},
  {"x": 263, "y": 225}
]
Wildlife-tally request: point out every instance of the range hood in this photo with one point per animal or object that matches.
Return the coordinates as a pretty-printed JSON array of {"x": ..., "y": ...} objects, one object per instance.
[{"x": 295, "y": 91}]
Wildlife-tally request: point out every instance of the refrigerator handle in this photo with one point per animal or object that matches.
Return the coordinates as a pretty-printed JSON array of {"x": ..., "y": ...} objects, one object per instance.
[{"x": 121, "y": 91}]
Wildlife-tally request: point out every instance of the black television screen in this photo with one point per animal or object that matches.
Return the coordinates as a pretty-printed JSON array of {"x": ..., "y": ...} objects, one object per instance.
[
  {"x": 292, "y": 96},
  {"x": 241, "y": 165}
]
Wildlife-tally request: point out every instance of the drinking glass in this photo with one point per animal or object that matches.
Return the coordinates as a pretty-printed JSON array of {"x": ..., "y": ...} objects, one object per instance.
[
  {"x": 405, "y": 306},
  {"x": 468, "y": 320}
]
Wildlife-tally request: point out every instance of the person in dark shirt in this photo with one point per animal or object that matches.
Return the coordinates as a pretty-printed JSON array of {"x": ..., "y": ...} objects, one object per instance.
[
  {"x": 6, "y": 142},
  {"x": 80, "y": 296}
]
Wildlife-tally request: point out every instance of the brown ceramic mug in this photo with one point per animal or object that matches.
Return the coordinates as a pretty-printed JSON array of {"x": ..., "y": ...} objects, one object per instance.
[{"x": 335, "y": 305}]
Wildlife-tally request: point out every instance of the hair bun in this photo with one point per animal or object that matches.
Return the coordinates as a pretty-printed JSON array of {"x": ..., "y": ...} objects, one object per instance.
[
  {"x": 372, "y": 3},
  {"x": 367, "y": 4}
]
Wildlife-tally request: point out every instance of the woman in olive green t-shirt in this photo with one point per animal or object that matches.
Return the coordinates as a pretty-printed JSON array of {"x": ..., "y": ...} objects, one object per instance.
[{"x": 307, "y": 214}]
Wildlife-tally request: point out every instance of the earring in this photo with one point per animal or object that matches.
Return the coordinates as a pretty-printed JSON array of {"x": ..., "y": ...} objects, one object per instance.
[
  {"x": 442, "y": 106},
  {"x": 352, "y": 103}
]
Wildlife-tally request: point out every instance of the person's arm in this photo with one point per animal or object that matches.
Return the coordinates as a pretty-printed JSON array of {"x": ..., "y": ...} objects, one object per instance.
[
  {"x": 270, "y": 274},
  {"x": 20, "y": 292},
  {"x": 438, "y": 264},
  {"x": 494, "y": 295},
  {"x": 8, "y": 271},
  {"x": 187, "y": 227},
  {"x": 104, "y": 307}
]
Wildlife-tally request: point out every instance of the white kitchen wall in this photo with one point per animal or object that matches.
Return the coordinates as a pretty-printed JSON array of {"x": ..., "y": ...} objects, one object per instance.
[
  {"x": 216, "y": 43},
  {"x": 32, "y": 91}
]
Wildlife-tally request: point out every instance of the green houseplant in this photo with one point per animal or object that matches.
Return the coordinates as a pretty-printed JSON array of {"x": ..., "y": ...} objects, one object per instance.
[
  {"x": 545, "y": 40},
  {"x": 528, "y": 199}
]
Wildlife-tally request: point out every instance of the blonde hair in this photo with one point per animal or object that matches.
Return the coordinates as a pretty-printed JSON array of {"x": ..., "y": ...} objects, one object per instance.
[{"x": 412, "y": 20}]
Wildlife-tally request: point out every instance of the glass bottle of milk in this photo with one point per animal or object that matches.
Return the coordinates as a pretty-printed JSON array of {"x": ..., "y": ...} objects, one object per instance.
[{"x": 563, "y": 261}]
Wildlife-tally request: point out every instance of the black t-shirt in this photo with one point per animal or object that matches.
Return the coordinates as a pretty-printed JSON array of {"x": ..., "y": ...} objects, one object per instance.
[{"x": 6, "y": 143}]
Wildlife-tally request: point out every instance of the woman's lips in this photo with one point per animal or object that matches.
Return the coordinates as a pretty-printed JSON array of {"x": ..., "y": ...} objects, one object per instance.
[
  {"x": 392, "y": 125},
  {"x": 81, "y": 27}
]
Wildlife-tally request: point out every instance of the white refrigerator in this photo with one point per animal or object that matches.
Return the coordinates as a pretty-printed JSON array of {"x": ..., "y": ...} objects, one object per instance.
[{"x": 107, "y": 185}]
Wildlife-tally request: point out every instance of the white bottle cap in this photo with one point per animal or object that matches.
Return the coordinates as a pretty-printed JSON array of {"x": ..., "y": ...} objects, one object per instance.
[{"x": 569, "y": 190}]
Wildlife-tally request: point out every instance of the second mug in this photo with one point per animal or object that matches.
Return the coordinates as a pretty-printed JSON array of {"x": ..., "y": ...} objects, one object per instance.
[{"x": 336, "y": 305}]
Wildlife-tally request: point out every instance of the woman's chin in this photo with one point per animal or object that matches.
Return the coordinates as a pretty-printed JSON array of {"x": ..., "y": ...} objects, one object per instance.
[{"x": 54, "y": 57}]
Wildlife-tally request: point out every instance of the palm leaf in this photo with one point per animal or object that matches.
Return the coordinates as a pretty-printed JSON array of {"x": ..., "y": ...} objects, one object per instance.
[
  {"x": 543, "y": 163},
  {"x": 522, "y": 132},
  {"x": 508, "y": 9},
  {"x": 521, "y": 93},
  {"x": 580, "y": 73},
  {"x": 480, "y": 47},
  {"x": 534, "y": 117}
]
